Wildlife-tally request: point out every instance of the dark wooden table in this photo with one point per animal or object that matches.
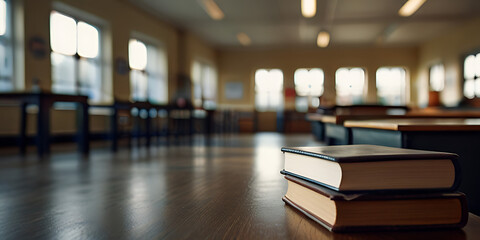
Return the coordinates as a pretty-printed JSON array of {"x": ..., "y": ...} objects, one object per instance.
[
  {"x": 231, "y": 189},
  {"x": 335, "y": 115},
  {"x": 44, "y": 101},
  {"x": 457, "y": 135},
  {"x": 331, "y": 130}
]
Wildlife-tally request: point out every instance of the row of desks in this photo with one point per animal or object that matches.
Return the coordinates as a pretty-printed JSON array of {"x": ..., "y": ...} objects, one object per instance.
[
  {"x": 445, "y": 133},
  {"x": 44, "y": 101}
]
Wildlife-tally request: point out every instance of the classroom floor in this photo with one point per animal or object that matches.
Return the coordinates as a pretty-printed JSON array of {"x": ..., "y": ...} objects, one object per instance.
[{"x": 185, "y": 190}]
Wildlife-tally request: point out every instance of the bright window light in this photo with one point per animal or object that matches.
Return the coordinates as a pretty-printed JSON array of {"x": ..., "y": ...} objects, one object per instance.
[
  {"x": 269, "y": 81},
  {"x": 469, "y": 67},
  {"x": 3, "y": 17},
  {"x": 349, "y": 84},
  {"x": 268, "y": 89},
  {"x": 88, "y": 42},
  {"x": 137, "y": 55},
  {"x": 471, "y": 74},
  {"x": 391, "y": 85},
  {"x": 309, "y": 82},
  {"x": 437, "y": 77},
  {"x": 469, "y": 88},
  {"x": 63, "y": 34},
  {"x": 148, "y": 78}
]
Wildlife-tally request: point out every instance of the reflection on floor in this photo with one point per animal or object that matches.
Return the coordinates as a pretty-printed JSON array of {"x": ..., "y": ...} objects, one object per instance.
[{"x": 145, "y": 193}]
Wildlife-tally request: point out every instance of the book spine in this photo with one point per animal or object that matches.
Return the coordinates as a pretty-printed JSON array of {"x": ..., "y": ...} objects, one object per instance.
[{"x": 463, "y": 221}]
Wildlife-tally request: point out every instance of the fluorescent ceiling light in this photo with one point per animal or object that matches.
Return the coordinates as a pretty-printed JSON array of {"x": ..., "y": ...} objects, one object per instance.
[
  {"x": 244, "y": 39},
  {"x": 212, "y": 9},
  {"x": 323, "y": 39},
  {"x": 410, "y": 7},
  {"x": 309, "y": 8}
]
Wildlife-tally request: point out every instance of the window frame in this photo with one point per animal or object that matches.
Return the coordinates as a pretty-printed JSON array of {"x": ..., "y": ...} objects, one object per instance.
[
  {"x": 403, "y": 96},
  {"x": 159, "y": 49},
  {"x": 364, "y": 88},
  {"x": 200, "y": 100},
  {"x": 101, "y": 60},
  {"x": 7, "y": 40},
  {"x": 270, "y": 107},
  {"x": 476, "y": 98},
  {"x": 312, "y": 101},
  {"x": 430, "y": 71}
]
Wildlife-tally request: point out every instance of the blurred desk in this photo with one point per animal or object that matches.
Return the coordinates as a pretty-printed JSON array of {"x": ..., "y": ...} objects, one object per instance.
[
  {"x": 126, "y": 106},
  {"x": 330, "y": 128},
  {"x": 456, "y": 135},
  {"x": 44, "y": 101}
]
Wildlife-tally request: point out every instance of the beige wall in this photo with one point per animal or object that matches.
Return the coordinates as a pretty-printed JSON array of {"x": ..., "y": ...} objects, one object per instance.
[
  {"x": 119, "y": 20},
  {"x": 239, "y": 66},
  {"x": 449, "y": 49}
]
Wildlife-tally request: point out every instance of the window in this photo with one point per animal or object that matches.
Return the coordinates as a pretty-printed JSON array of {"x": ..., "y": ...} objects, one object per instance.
[
  {"x": 148, "y": 75},
  {"x": 437, "y": 77},
  {"x": 471, "y": 74},
  {"x": 204, "y": 79},
  {"x": 76, "y": 62},
  {"x": 3, "y": 17},
  {"x": 6, "y": 49},
  {"x": 349, "y": 84},
  {"x": 268, "y": 90},
  {"x": 308, "y": 88},
  {"x": 391, "y": 85}
]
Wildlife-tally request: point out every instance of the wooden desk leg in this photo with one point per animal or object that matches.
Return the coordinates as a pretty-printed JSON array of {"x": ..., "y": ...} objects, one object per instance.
[
  {"x": 114, "y": 129},
  {"x": 83, "y": 127},
  {"x": 23, "y": 128},
  {"x": 43, "y": 127}
]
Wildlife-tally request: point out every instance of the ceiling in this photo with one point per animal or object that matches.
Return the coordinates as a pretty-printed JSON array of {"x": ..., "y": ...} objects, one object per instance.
[{"x": 280, "y": 22}]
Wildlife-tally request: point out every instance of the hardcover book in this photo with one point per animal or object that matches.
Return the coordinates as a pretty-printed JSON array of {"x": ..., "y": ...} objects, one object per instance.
[
  {"x": 340, "y": 212},
  {"x": 373, "y": 168}
]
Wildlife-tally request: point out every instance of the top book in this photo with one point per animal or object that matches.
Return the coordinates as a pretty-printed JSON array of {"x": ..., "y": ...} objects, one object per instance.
[{"x": 371, "y": 168}]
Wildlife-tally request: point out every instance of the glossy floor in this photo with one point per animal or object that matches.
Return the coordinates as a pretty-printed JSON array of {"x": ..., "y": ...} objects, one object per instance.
[{"x": 230, "y": 188}]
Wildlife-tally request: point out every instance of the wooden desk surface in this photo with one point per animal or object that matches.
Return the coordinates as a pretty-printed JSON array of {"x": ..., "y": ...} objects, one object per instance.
[
  {"x": 340, "y": 119},
  {"x": 419, "y": 124},
  {"x": 434, "y": 112},
  {"x": 230, "y": 190},
  {"x": 431, "y": 113}
]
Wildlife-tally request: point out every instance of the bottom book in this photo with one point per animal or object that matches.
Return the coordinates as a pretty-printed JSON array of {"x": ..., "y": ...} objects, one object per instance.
[{"x": 376, "y": 211}]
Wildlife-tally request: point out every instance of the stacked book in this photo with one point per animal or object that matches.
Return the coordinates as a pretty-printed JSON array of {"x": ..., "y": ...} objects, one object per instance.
[{"x": 367, "y": 187}]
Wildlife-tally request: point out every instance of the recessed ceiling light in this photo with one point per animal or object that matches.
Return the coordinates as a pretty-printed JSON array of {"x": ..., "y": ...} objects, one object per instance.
[
  {"x": 244, "y": 39},
  {"x": 309, "y": 8},
  {"x": 410, "y": 7},
  {"x": 323, "y": 39},
  {"x": 212, "y": 9}
]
